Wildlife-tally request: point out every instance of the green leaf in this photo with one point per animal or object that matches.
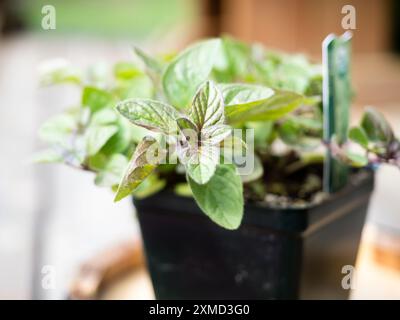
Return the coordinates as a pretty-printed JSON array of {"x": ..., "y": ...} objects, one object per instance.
[
  {"x": 188, "y": 70},
  {"x": 376, "y": 127},
  {"x": 97, "y": 137},
  {"x": 110, "y": 175},
  {"x": 123, "y": 138},
  {"x": 202, "y": 164},
  {"x": 97, "y": 162},
  {"x": 233, "y": 63},
  {"x": 221, "y": 199},
  {"x": 207, "y": 107},
  {"x": 150, "y": 114},
  {"x": 358, "y": 135},
  {"x": 96, "y": 99},
  {"x": 238, "y": 94},
  {"x": 273, "y": 108},
  {"x": 144, "y": 160}
]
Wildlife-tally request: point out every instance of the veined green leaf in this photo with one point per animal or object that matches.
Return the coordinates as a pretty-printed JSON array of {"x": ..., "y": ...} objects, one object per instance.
[
  {"x": 123, "y": 138},
  {"x": 237, "y": 94},
  {"x": 188, "y": 70},
  {"x": 150, "y": 114},
  {"x": 97, "y": 137},
  {"x": 207, "y": 107},
  {"x": 96, "y": 99},
  {"x": 221, "y": 199},
  {"x": 358, "y": 135},
  {"x": 275, "y": 107},
  {"x": 297, "y": 134},
  {"x": 144, "y": 160}
]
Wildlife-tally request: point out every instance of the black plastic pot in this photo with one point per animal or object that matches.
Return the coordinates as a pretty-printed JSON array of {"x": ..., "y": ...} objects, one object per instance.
[{"x": 275, "y": 254}]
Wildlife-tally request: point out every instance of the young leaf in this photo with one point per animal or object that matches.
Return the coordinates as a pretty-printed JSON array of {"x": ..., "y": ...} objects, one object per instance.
[
  {"x": 145, "y": 159},
  {"x": 188, "y": 70},
  {"x": 95, "y": 98},
  {"x": 221, "y": 199},
  {"x": 272, "y": 108},
  {"x": 207, "y": 107},
  {"x": 150, "y": 114},
  {"x": 358, "y": 135},
  {"x": 123, "y": 138},
  {"x": 376, "y": 126}
]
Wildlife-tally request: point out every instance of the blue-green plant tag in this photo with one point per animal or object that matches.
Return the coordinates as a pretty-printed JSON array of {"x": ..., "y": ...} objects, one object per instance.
[{"x": 337, "y": 94}]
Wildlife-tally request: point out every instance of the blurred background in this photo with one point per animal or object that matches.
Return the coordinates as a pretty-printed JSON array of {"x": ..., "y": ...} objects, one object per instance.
[{"x": 54, "y": 221}]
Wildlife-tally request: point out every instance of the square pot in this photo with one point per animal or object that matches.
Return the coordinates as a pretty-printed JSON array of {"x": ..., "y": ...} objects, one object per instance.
[{"x": 286, "y": 253}]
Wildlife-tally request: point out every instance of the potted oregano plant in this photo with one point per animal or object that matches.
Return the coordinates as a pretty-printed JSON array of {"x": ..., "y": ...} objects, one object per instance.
[{"x": 221, "y": 147}]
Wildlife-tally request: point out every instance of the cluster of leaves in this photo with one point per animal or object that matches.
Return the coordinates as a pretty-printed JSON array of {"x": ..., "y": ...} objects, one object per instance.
[
  {"x": 132, "y": 122},
  {"x": 376, "y": 137}
]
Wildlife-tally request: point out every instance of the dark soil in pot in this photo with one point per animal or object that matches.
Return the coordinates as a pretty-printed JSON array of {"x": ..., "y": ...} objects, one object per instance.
[{"x": 289, "y": 251}]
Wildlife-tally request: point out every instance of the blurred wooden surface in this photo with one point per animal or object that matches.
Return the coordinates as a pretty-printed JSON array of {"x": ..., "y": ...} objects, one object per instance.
[{"x": 299, "y": 25}]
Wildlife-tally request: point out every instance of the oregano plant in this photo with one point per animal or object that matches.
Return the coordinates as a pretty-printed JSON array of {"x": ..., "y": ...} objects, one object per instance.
[{"x": 169, "y": 122}]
